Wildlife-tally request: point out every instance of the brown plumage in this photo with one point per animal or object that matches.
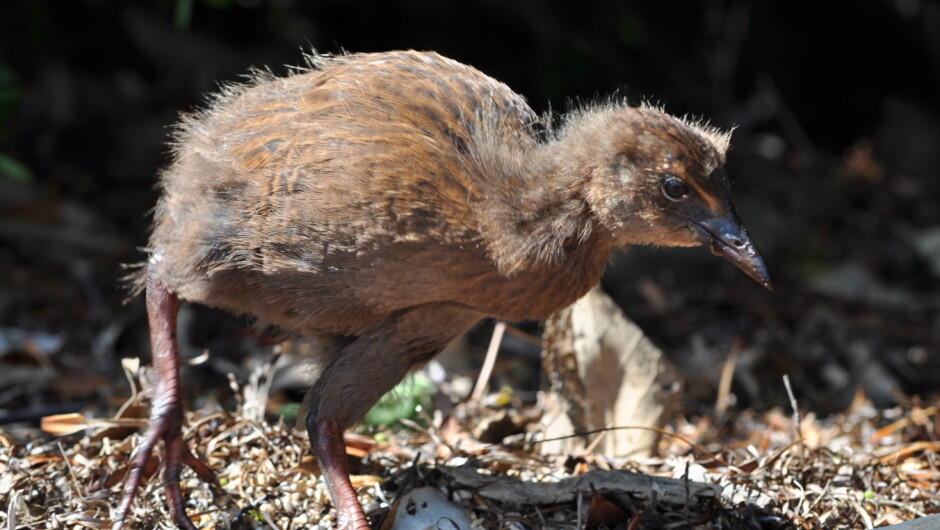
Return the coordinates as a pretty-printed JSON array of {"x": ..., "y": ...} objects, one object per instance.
[{"x": 384, "y": 203}]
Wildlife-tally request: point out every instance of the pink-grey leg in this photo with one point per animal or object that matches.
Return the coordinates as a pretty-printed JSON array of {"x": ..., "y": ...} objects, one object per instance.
[{"x": 166, "y": 416}]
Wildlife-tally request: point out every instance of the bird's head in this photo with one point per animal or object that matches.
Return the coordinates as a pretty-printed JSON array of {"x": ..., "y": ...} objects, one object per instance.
[{"x": 659, "y": 180}]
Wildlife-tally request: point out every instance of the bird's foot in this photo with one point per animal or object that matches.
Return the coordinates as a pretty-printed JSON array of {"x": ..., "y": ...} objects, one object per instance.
[{"x": 165, "y": 424}]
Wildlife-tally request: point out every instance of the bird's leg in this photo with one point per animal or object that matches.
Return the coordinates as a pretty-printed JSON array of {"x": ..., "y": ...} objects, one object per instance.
[
  {"x": 341, "y": 396},
  {"x": 326, "y": 436},
  {"x": 166, "y": 415},
  {"x": 357, "y": 375}
]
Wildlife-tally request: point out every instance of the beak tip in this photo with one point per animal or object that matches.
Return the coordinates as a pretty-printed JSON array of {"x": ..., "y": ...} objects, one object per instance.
[
  {"x": 757, "y": 272},
  {"x": 728, "y": 238}
]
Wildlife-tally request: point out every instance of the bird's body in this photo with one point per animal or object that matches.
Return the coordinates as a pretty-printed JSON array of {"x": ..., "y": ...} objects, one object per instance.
[
  {"x": 325, "y": 201},
  {"x": 384, "y": 203}
]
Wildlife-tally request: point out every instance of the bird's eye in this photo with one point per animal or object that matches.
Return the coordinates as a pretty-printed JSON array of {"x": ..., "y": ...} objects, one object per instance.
[{"x": 674, "y": 189}]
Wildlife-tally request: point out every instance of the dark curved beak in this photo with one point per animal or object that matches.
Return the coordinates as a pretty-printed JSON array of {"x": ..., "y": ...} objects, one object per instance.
[{"x": 728, "y": 237}]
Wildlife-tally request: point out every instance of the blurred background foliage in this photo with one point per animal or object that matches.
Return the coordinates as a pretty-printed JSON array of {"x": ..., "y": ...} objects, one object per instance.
[{"x": 835, "y": 158}]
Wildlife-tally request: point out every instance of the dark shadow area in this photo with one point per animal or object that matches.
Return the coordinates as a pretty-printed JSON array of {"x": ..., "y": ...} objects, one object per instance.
[{"x": 835, "y": 159}]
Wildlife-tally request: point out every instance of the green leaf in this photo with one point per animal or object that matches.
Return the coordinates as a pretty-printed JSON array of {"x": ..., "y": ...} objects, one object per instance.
[
  {"x": 255, "y": 515},
  {"x": 402, "y": 402},
  {"x": 183, "y": 14},
  {"x": 13, "y": 169},
  {"x": 289, "y": 411}
]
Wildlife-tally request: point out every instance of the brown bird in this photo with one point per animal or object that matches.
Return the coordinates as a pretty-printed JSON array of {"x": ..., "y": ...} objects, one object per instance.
[{"x": 384, "y": 203}]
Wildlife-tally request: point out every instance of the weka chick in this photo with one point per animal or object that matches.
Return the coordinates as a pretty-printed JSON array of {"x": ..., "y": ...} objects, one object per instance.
[{"x": 384, "y": 203}]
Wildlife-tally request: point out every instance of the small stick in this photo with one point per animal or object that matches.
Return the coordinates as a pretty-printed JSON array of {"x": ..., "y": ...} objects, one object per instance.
[
  {"x": 797, "y": 419},
  {"x": 488, "y": 363},
  {"x": 727, "y": 376}
]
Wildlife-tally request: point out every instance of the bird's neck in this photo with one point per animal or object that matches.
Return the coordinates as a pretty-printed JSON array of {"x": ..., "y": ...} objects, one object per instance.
[{"x": 545, "y": 222}]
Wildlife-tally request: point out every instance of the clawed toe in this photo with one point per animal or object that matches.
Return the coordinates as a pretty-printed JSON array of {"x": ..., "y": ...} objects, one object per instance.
[{"x": 175, "y": 455}]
